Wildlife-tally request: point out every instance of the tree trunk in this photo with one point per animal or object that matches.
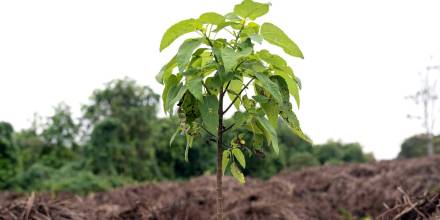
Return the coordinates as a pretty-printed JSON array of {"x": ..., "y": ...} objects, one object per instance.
[{"x": 219, "y": 186}]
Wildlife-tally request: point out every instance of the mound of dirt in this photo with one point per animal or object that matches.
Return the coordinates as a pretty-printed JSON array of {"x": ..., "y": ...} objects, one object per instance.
[{"x": 403, "y": 189}]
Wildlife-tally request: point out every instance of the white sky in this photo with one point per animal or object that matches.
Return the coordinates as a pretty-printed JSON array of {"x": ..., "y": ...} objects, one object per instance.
[{"x": 361, "y": 57}]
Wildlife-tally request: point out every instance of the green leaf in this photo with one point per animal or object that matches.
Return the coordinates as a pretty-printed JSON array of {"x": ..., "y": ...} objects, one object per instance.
[
  {"x": 225, "y": 160},
  {"x": 256, "y": 38},
  {"x": 261, "y": 99},
  {"x": 229, "y": 58},
  {"x": 174, "y": 136},
  {"x": 277, "y": 37},
  {"x": 249, "y": 104},
  {"x": 213, "y": 84},
  {"x": 209, "y": 112},
  {"x": 166, "y": 70},
  {"x": 174, "y": 95},
  {"x": 239, "y": 156},
  {"x": 251, "y": 9},
  {"x": 225, "y": 24},
  {"x": 272, "y": 59},
  {"x": 185, "y": 52},
  {"x": 189, "y": 142},
  {"x": 169, "y": 83},
  {"x": 239, "y": 118},
  {"x": 211, "y": 18},
  {"x": 177, "y": 30},
  {"x": 270, "y": 86},
  {"x": 283, "y": 70},
  {"x": 292, "y": 85},
  {"x": 269, "y": 132},
  {"x": 195, "y": 87},
  {"x": 231, "y": 16},
  {"x": 237, "y": 174},
  {"x": 293, "y": 123},
  {"x": 271, "y": 110},
  {"x": 234, "y": 88}
]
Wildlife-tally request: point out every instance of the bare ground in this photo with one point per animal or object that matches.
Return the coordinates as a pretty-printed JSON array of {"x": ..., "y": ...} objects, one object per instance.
[{"x": 405, "y": 189}]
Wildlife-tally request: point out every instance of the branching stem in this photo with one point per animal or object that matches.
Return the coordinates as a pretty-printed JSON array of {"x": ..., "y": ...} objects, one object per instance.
[{"x": 238, "y": 95}]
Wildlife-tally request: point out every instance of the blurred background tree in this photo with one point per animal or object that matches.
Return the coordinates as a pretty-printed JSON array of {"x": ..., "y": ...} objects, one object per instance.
[
  {"x": 120, "y": 140},
  {"x": 415, "y": 146}
]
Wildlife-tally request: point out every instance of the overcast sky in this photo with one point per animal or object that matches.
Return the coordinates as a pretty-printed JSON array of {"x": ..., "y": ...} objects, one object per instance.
[{"x": 361, "y": 58}]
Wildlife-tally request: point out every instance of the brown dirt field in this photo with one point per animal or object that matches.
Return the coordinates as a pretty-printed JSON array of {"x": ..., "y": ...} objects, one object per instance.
[{"x": 409, "y": 188}]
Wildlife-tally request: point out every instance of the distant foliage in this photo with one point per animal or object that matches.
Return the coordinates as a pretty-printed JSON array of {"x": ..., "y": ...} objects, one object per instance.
[
  {"x": 415, "y": 146},
  {"x": 7, "y": 154},
  {"x": 107, "y": 147}
]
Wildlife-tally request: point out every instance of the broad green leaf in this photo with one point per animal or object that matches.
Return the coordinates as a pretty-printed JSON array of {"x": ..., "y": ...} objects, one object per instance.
[
  {"x": 239, "y": 118},
  {"x": 169, "y": 83},
  {"x": 211, "y": 18},
  {"x": 277, "y": 37},
  {"x": 250, "y": 67},
  {"x": 213, "y": 84},
  {"x": 225, "y": 160},
  {"x": 246, "y": 51},
  {"x": 209, "y": 112},
  {"x": 269, "y": 132},
  {"x": 231, "y": 16},
  {"x": 225, "y": 24},
  {"x": 237, "y": 174},
  {"x": 282, "y": 85},
  {"x": 248, "y": 104},
  {"x": 185, "y": 52},
  {"x": 251, "y": 28},
  {"x": 271, "y": 110},
  {"x": 177, "y": 30},
  {"x": 283, "y": 70},
  {"x": 234, "y": 88},
  {"x": 239, "y": 156},
  {"x": 256, "y": 38},
  {"x": 261, "y": 99},
  {"x": 174, "y": 95},
  {"x": 293, "y": 123},
  {"x": 229, "y": 57},
  {"x": 272, "y": 59},
  {"x": 195, "y": 87},
  {"x": 292, "y": 85},
  {"x": 166, "y": 70},
  {"x": 270, "y": 86},
  {"x": 251, "y": 9}
]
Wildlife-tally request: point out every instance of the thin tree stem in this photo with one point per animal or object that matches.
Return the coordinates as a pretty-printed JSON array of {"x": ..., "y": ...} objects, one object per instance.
[
  {"x": 226, "y": 129},
  {"x": 238, "y": 95},
  {"x": 219, "y": 157}
]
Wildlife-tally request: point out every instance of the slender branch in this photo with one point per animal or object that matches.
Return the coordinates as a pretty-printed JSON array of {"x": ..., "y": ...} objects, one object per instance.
[
  {"x": 239, "y": 64},
  {"x": 239, "y": 33},
  {"x": 212, "y": 47},
  {"x": 229, "y": 127},
  {"x": 238, "y": 95},
  {"x": 227, "y": 86},
  {"x": 227, "y": 30},
  {"x": 214, "y": 137},
  {"x": 210, "y": 29}
]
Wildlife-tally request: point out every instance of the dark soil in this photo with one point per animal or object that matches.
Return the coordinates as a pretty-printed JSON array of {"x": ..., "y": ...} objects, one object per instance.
[{"x": 404, "y": 189}]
